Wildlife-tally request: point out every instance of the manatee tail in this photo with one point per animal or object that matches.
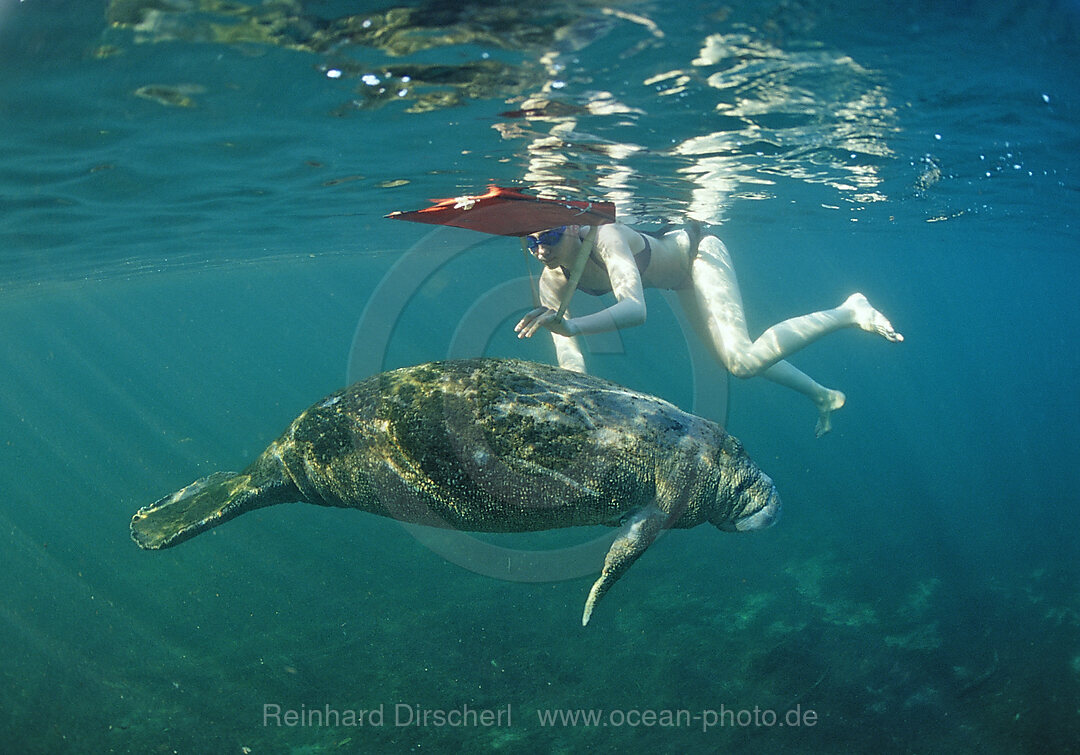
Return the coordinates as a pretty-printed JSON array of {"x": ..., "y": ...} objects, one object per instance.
[{"x": 201, "y": 505}]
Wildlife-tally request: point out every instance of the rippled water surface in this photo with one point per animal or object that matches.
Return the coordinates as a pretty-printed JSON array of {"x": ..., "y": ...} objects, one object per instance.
[{"x": 193, "y": 250}]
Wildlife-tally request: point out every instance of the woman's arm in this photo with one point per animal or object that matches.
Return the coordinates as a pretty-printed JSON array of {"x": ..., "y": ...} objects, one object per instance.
[
  {"x": 613, "y": 249},
  {"x": 567, "y": 349}
]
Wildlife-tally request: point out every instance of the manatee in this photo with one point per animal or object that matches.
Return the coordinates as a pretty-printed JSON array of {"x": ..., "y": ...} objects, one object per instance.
[{"x": 492, "y": 445}]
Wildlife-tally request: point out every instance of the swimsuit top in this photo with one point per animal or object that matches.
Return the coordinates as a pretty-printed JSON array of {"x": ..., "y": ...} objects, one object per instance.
[{"x": 642, "y": 260}]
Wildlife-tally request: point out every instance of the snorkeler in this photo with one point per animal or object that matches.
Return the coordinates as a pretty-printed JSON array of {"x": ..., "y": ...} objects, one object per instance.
[{"x": 623, "y": 262}]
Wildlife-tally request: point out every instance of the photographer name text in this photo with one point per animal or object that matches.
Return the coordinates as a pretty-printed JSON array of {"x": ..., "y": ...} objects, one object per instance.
[{"x": 382, "y": 715}]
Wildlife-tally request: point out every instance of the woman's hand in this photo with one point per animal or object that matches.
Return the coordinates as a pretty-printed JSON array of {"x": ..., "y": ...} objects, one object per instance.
[{"x": 546, "y": 318}]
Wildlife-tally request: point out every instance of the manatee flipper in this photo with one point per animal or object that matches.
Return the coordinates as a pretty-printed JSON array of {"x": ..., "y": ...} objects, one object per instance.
[
  {"x": 204, "y": 504},
  {"x": 638, "y": 534}
]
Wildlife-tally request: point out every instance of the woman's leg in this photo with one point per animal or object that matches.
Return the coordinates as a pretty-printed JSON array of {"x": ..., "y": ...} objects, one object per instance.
[
  {"x": 782, "y": 373},
  {"x": 713, "y": 304},
  {"x": 715, "y": 288},
  {"x": 825, "y": 399}
]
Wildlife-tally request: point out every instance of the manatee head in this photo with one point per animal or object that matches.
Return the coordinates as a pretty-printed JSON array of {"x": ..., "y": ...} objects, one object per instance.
[{"x": 746, "y": 498}]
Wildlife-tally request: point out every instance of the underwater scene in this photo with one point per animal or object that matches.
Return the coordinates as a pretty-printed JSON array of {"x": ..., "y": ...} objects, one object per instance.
[{"x": 194, "y": 253}]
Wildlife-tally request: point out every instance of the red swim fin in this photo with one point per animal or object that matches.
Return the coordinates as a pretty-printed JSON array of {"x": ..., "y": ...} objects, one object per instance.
[{"x": 507, "y": 212}]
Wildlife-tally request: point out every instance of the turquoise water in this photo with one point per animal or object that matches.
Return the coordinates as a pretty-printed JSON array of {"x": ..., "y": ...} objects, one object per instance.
[{"x": 192, "y": 231}]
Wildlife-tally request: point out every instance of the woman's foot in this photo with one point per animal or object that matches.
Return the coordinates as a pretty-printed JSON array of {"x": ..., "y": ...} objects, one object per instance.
[
  {"x": 830, "y": 401},
  {"x": 869, "y": 319}
]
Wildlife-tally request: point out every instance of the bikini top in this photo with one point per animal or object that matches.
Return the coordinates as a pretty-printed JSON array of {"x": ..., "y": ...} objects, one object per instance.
[{"x": 642, "y": 260}]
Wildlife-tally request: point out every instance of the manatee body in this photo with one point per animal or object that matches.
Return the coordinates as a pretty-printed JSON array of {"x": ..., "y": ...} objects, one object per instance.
[{"x": 492, "y": 445}]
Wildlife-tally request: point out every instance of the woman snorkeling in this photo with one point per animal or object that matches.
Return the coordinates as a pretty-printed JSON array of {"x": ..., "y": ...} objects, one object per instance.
[{"x": 624, "y": 262}]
